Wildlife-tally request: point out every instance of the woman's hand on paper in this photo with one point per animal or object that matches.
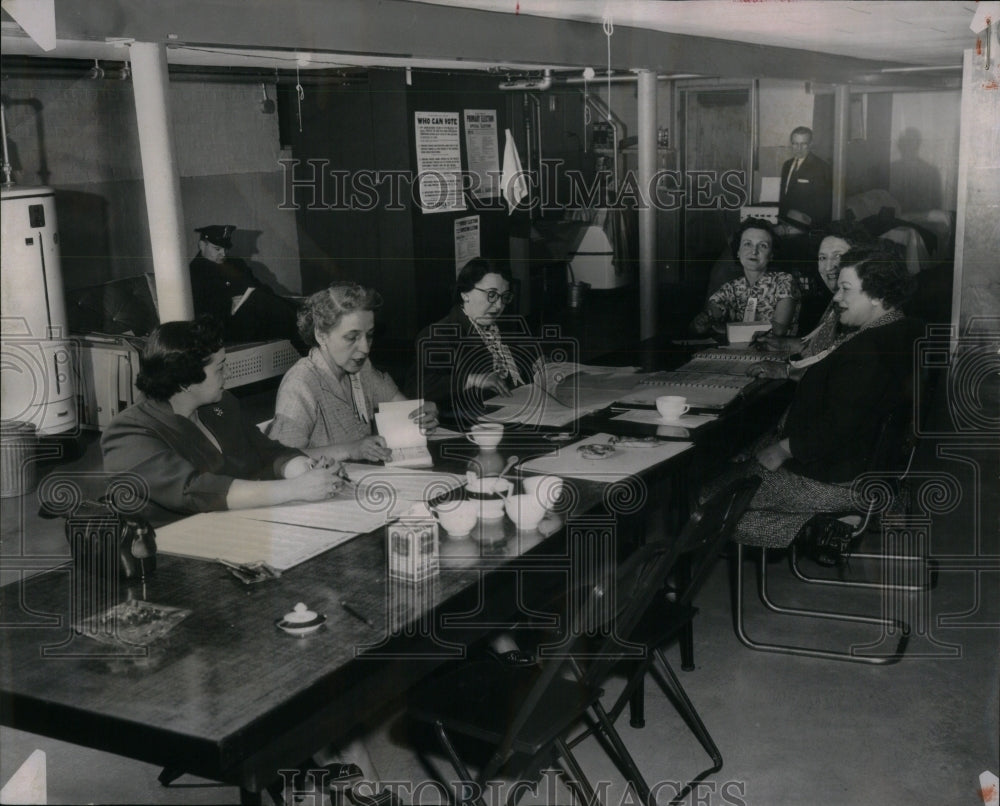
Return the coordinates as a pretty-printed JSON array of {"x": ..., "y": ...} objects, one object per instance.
[
  {"x": 297, "y": 466},
  {"x": 773, "y": 343},
  {"x": 426, "y": 417},
  {"x": 370, "y": 449},
  {"x": 320, "y": 483},
  {"x": 768, "y": 369}
]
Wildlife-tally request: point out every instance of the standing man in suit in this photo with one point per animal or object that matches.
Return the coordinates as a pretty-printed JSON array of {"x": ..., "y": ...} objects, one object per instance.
[{"x": 805, "y": 181}]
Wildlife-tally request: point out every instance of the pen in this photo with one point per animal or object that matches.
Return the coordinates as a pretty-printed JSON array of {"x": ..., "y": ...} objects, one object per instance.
[{"x": 356, "y": 613}]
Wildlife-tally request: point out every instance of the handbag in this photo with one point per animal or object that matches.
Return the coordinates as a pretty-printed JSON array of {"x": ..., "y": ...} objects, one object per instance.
[
  {"x": 105, "y": 542},
  {"x": 826, "y": 541}
]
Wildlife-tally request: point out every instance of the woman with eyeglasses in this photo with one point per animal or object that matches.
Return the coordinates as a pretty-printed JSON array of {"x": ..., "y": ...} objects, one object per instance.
[
  {"x": 329, "y": 397},
  {"x": 472, "y": 354}
]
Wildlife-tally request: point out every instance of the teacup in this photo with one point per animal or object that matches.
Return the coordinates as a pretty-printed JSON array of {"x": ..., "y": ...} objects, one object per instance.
[
  {"x": 457, "y": 517},
  {"x": 525, "y": 511},
  {"x": 545, "y": 489},
  {"x": 486, "y": 435},
  {"x": 671, "y": 407},
  {"x": 488, "y": 493}
]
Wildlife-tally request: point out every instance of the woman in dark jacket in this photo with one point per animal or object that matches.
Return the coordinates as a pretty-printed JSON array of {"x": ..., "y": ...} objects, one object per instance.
[
  {"x": 829, "y": 432},
  {"x": 472, "y": 353},
  {"x": 190, "y": 443}
]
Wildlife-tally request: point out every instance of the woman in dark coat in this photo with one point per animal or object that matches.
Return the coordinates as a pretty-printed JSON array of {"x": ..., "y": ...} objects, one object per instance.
[
  {"x": 828, "y": 435},
  {"x": 190, "y": 443},
  {"x": 473, "y": 354}
]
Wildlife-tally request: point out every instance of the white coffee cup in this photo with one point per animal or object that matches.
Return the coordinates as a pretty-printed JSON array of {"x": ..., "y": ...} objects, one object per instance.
[
  {"x": 672, "y": 407},
  {"x": 545, "y": 489},
  {"x": 525, "y": 511},
  {"x": 486, "y": 435},
  {"x": 457, "y": 517}
]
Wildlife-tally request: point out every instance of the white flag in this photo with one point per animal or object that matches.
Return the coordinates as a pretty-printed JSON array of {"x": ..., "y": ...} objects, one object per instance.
[{"x": 513, "y": 184}]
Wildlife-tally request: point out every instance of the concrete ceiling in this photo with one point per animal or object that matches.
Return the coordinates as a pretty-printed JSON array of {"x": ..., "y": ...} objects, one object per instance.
[
  {"x": 818, "y": 40},
  {"x": 919, "y": 33}
]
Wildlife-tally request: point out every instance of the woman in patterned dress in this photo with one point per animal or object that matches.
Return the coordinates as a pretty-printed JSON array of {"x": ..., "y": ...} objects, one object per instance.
[{"x": 759, "y": 295}]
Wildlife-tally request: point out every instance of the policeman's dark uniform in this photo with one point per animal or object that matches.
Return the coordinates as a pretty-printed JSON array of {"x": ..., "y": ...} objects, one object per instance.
[{"x": 262, "y": 316}]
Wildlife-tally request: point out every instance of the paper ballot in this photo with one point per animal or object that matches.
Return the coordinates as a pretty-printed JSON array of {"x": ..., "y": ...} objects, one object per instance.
[{"x": 402, "y": 435}]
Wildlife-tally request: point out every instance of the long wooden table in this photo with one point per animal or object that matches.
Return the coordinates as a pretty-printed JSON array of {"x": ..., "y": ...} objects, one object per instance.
[{"x": 228, "y": 696}]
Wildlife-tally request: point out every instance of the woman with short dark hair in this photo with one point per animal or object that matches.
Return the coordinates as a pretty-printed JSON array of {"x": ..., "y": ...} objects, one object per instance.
[
  {"x": 827, "y": 437},
  {"x": 472, "y": 353},
  {"x": 189, "y": 441},
  {"x": 327, "y": 400},
  {"x": 760, "y": 295}
]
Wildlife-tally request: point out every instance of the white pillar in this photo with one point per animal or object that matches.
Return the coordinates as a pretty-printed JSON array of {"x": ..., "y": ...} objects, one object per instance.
[
  {"x": 647, "y": 214},
  {"x": 841, "y": 121},
  {"x": 162, "y": 184}
]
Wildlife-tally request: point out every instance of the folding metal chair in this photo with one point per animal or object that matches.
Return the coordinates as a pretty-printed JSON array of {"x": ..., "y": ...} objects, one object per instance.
[{"x": 524, "y": 716}]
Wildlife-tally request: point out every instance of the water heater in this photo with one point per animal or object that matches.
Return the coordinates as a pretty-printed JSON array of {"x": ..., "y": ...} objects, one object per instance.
[{"x": 37, "y": 365}]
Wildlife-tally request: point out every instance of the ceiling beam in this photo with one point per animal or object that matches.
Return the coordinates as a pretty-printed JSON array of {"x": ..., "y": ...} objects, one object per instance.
[{"x": 395, "y": 28}]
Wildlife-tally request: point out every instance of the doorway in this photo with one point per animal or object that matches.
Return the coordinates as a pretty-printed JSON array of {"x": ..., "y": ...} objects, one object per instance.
[{"x": 716, "y": 123}]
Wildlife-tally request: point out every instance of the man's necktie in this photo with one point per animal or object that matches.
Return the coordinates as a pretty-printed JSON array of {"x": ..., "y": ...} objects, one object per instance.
[{"x": 791, "y": 172}]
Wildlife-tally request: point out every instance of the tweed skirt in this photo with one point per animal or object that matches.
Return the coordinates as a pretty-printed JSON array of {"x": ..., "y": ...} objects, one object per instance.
[{"x": 783, "y": 504}]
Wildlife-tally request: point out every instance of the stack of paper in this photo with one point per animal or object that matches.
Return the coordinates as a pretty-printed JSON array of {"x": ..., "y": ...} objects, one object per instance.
[
  {"x": 706, "y": 390},
  {"x": 284, "y": 536}
]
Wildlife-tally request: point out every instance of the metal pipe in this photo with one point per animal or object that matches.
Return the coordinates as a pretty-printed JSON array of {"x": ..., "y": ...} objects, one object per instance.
[
  {"x": 841, "y": 118},
  {"x": 7, "y": 181},
  {"x": 543, "y": 83},
  {"x": 647, "y": 213},
  {"x": 626, "y": 79}
]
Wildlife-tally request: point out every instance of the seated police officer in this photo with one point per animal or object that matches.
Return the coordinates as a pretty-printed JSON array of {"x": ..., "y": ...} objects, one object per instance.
[{"x": 226, "y": 288}]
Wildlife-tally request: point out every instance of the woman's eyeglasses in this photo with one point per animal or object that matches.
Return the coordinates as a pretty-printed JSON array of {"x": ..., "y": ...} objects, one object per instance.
[{"x": 492, "y": 295}]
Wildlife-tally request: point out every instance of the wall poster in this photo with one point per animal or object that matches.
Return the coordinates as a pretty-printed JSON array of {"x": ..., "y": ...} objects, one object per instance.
[
  {"x": 466, "y": 240},
  {"x": 439, "y": 162},
  {"x": 481, "y": 148}
]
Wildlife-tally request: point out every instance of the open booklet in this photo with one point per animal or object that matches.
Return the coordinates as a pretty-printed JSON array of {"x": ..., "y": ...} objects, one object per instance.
[
  {"x": 561, "y": 392},
  {"x": 402, "y": 435}
]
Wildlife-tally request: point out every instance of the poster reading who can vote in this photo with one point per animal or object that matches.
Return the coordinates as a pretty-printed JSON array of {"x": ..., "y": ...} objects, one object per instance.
[{"x": 439, "y": 162}]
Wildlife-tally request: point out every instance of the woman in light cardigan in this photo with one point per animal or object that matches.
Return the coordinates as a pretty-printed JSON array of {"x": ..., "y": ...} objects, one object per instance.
[{"x": 328, "y": 398}]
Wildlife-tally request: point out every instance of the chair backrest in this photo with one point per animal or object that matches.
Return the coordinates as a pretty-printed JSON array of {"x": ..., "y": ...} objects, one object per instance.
[
  {"x": 710, "y": 528},
  {"x": 636, "y": 581}
]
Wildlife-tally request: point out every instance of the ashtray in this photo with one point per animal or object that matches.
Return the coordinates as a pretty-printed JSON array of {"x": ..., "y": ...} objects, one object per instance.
[
  {"x": 596, "y": 450},
  {"x": 134, "y": 622}
]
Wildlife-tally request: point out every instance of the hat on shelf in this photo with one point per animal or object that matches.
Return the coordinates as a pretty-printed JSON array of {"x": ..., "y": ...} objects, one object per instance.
[{"x": 218, "y": 234}]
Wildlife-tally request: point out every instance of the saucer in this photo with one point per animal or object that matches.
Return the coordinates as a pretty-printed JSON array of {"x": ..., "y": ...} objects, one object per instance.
[
  {"x": 678, "y": 420},
  {"x": 300, "y": 628}
]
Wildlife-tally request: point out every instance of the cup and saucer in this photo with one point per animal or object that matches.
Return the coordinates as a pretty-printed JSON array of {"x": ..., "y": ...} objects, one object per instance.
[{"x": 672, "y": 408}]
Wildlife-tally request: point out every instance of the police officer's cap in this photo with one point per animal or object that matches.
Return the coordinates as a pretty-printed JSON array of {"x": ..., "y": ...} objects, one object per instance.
[{"x": 218, "y": 234}]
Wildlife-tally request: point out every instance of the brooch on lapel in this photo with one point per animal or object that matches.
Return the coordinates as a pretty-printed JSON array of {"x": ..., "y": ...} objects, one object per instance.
[{"x": 217, "y": 411}]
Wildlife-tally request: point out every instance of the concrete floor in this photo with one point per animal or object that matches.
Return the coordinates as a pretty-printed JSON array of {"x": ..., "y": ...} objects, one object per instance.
[{"x": 792, "y": 730}]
